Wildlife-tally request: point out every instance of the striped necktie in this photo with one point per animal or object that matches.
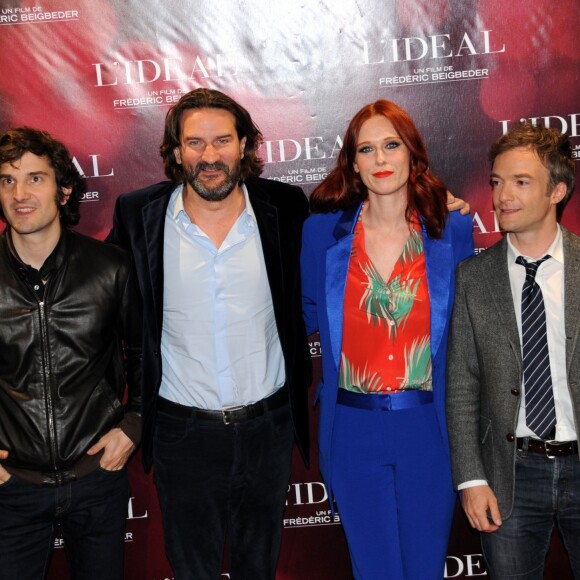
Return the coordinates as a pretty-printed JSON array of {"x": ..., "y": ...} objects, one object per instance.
[{"x": 540, "y": 410}]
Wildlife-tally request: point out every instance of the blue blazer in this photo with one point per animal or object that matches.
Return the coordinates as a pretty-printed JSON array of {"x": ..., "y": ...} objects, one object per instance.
[{"x": 326, "y": 248}]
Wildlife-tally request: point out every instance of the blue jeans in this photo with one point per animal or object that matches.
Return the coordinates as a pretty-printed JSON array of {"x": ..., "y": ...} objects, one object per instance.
[
  {"x": 546, "y": 491},
  {"x": 91, "y": 513},
  {"x": 215, "y": 479}
]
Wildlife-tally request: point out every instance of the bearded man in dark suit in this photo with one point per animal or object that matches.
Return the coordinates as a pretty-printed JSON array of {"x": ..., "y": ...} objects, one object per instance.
[{"x": 226, "y": 360}]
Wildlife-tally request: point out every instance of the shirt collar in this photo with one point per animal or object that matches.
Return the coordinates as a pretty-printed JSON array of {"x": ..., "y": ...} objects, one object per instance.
[
  {"x": 177, "y": 211},
  {"x": 176, "y": 202},
  {"x": 556, "y": 249},
  {"x": 249, "y": 209}
]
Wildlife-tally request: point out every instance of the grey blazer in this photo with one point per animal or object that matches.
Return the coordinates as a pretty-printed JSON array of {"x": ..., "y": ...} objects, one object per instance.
[{"x": 484, "y": 367}]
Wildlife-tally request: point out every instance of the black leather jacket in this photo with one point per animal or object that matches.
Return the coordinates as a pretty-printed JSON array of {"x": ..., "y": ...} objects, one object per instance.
[{"x": 65, "y": 356}]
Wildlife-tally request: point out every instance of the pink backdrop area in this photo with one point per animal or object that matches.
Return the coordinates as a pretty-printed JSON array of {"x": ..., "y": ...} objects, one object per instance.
[{"x": 101, "y": 74}]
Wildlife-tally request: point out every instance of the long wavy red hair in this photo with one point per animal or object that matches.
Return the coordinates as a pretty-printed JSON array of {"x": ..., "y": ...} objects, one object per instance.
[{"x": 426, "y": 194}]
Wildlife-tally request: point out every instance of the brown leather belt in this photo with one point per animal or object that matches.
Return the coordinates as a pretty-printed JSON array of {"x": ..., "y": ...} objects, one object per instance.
[
  {"x": 550, "y": 449},
  {"x": 230, "y": 415}
]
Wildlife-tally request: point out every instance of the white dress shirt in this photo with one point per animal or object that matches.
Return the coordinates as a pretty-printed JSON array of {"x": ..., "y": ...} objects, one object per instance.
[
  {"x": 550, "y": 279},
  {"x": 219, "y": 345}
]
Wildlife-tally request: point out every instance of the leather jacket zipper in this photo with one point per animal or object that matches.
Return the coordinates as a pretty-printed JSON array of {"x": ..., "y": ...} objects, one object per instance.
[{"x": 47, "y": 380}]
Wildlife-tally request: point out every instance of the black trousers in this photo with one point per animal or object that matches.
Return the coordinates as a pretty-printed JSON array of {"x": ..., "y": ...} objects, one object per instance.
[{"x": 214, "y": 478}]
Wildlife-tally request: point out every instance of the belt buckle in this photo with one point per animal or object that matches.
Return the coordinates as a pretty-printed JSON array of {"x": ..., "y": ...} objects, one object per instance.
[
  {"x": 57, "y": 478},
  {"x": 228, "y": 410},
  {"x": 547, "y": 453}
]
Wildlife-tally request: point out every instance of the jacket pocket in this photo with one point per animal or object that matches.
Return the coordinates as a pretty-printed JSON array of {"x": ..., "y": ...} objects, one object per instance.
[{"x": 110, "y": 397}]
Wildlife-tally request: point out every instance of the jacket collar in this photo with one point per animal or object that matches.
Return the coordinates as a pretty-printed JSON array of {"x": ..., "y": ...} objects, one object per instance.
[
  {"x": 347, "y": 221},
  {"x": 153, "y": 216},
  {"x": 269, "y": 228},
  {"x": 52, "y": 263},
  {"x": 496, "y": 276},
  {"x": 337, "y": 260}
]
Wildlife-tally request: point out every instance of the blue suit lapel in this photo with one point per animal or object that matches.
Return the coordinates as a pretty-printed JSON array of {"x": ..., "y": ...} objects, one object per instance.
[
  {"x": 337, "y": 260},
  {"x": 439, "y": 261}
]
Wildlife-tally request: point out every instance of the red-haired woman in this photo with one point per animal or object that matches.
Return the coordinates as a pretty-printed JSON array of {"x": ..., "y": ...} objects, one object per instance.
[{"x": 378, "y": 263}]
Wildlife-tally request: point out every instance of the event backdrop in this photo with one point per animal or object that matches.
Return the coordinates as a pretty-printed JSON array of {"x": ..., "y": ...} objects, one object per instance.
[{"x": 101, "y": 75}]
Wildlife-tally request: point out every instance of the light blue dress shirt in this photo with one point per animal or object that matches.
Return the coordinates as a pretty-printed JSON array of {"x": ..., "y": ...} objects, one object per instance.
[{"x": 219, "y": 344}]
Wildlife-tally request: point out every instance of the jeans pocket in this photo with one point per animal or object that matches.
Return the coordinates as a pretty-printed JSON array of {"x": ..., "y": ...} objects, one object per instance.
[
  {"x": 111, "y": 471},
  {"x": 9, "y": 482}
]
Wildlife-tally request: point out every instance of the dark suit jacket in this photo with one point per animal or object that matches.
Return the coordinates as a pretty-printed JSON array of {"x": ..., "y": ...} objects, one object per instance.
[
  {"x": 484, "y": 367},
  {"x": 138, "y": 225}
]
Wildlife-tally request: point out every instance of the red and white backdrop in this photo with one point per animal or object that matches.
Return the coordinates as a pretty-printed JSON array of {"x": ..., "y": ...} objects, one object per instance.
[{"x": 101, "y": 74}]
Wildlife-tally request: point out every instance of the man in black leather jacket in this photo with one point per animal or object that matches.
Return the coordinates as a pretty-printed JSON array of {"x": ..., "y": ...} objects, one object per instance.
[{"x": 70, "y": 338}]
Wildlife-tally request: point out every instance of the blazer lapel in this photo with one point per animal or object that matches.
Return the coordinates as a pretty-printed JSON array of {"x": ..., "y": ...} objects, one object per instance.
[
  {"x": 496, "y": 278},
  {"x": 269, "y": 228},
  {"x": 154, "y": 227},
  {"x": 337, "y": 260},
  {"x": 571, "y": 294},
  {"x": 439, "y": 261}
]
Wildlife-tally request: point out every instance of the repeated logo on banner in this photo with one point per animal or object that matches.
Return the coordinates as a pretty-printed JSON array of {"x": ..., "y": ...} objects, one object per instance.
[
  {"x": 101, "y": 75},
  {"x": 435, "y": 49}
]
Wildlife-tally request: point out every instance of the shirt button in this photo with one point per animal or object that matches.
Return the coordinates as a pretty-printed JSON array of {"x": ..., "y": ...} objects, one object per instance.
[
  {"x": 37, "y": 287},
  {"x": 391, "y": 357}
]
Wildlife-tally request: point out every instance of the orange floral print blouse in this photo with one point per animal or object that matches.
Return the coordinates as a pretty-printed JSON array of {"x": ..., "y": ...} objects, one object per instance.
[{"x": 386, "y": 343}]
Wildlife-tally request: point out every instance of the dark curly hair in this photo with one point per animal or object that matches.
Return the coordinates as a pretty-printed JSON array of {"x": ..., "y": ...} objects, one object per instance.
[
  {"x": 551, "y": 146},
  {"x": 426, "y": 194},
  {"x": 14, "y": 143},
  {"x": 251, "y": 164}
]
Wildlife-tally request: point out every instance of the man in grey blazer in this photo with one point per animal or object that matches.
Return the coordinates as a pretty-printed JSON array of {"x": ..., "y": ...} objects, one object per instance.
[{"x": 515, "y": 461}]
